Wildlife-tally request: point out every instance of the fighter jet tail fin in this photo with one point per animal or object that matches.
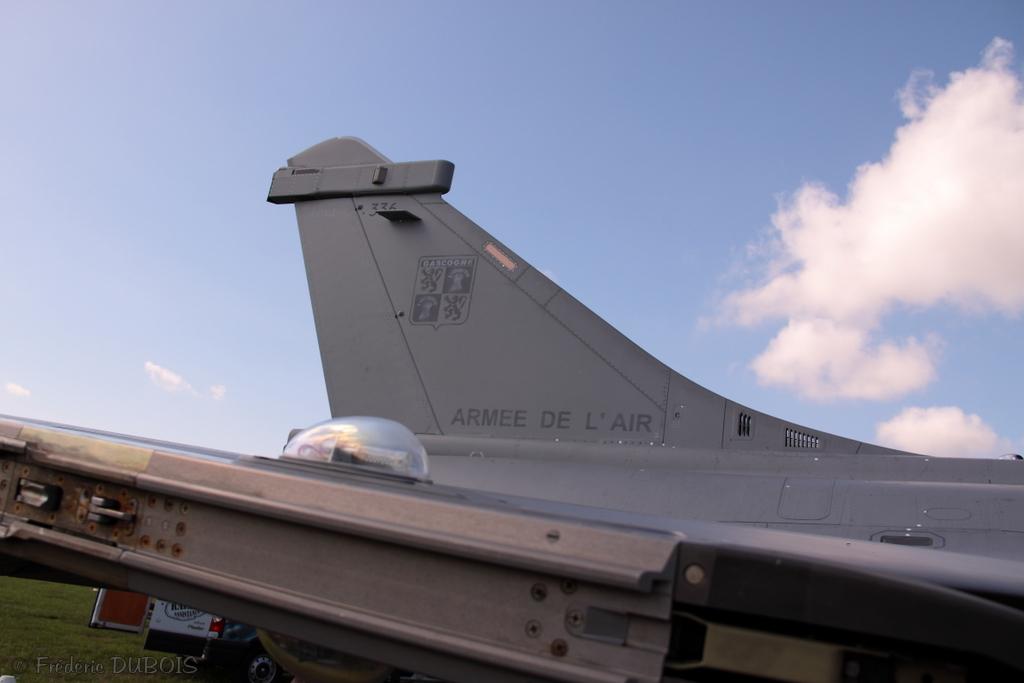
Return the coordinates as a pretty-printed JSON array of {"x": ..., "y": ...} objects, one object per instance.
[{"x": 426, "y": 318}]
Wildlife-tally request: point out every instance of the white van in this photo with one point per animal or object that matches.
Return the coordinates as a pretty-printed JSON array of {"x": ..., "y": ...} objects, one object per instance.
[{"x": 186, "y": 631}]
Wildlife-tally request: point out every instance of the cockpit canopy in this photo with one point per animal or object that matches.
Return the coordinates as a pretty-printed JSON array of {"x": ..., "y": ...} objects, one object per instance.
[{"x": 372, "y": 442}]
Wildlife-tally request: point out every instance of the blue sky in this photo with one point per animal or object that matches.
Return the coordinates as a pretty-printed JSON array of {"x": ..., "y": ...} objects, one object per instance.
[{"x": 634, "y": 150}]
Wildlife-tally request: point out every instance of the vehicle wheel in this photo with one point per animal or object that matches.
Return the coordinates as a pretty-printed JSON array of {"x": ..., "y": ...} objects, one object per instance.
[{"x": 261, "y": 668}]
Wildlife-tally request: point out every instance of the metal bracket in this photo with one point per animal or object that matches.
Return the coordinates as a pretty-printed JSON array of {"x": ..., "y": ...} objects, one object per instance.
[{"x": 107, "y": 511}]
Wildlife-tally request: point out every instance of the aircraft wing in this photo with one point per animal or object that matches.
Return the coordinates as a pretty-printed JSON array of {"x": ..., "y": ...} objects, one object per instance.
[{"x": 470, "y": 587}]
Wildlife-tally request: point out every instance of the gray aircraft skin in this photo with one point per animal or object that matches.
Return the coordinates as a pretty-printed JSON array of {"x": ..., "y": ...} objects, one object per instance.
[{"x": 517, "y": 388}]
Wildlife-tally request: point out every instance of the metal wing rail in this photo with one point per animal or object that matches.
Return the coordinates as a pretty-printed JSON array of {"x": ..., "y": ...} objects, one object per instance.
[{"x": 463, "y": 586}]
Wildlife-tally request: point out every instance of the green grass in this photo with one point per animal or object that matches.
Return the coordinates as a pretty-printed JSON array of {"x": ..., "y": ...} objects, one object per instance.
[{"x": 43, "y": 619}]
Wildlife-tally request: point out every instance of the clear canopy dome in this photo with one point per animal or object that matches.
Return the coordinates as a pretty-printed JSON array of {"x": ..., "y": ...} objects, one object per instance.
[{"x": 372, "y": 442}]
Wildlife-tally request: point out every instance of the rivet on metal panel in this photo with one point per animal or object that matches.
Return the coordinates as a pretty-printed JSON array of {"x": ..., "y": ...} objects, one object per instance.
[
  {"x": 574, "y": 619},
  {"x": 144, "y": 541},
  {"x": 569, "y": 586},
  {"x": 554, "y": 535},
  {"x": 161, "y": 545},
  {"x": 184, "y": 508},
  {"x": 694, "y": 574},
  {"x": 168, "y": 505},
  {"x": 6, "y": 466},
  {"x": 533, "y": 628},
  {"x": 151, "y": 501},
  {"x": 176, "y": 550},
  {"x": 179, "y": 529},
  {"x": 3, "y": 484},
  {"x": 538, "y": 592},
  {"x": 559, "y": 647}
]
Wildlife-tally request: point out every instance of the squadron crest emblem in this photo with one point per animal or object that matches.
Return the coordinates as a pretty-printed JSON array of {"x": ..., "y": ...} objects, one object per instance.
[{"x": 444, "y": 285}]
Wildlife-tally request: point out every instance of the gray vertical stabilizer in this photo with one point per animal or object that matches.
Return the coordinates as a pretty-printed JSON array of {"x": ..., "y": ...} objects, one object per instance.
[{"x": 425, "y": 318}]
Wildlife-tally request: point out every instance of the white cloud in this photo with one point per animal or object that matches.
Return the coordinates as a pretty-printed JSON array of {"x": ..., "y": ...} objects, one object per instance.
[
  {"x": 822, "y": 359},
  {"x": 218, "y": 392},
  {"x": 17, "y": 390},
  {"x": 168, "y": 380},
  {"x": 938, "y": 221},
  {"x": 942, "y": 431}
]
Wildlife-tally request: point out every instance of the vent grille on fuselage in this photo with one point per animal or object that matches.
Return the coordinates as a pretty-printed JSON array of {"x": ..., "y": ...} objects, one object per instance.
[
  {"x": 744, "y": 422},
  {"x": 797, "y": 439}
]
